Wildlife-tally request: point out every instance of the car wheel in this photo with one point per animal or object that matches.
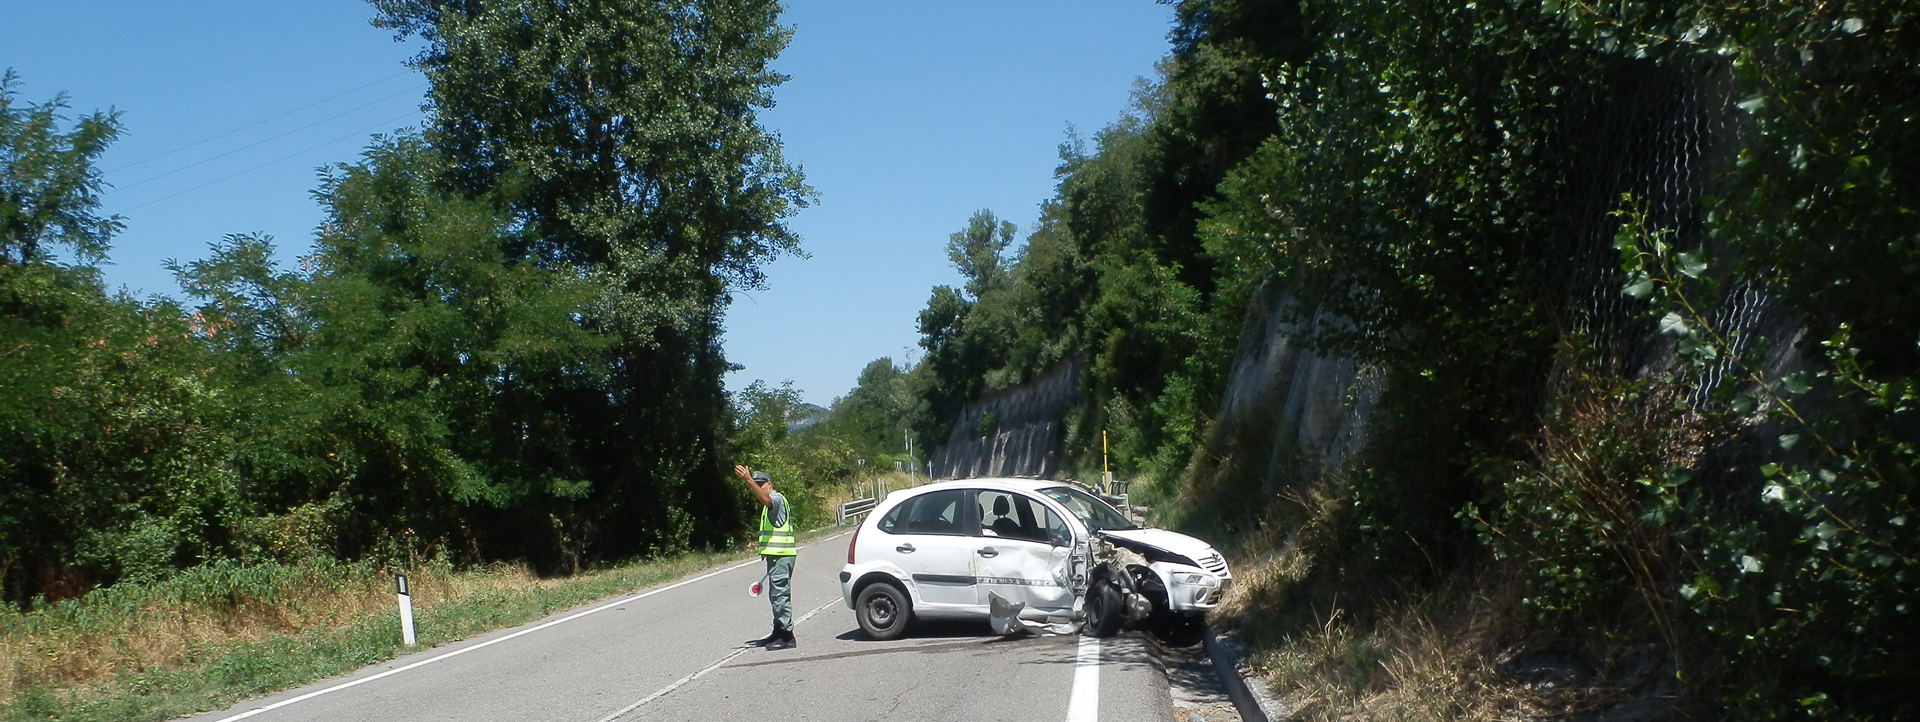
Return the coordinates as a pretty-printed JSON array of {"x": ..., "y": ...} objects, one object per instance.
[
  {"x": 1103, "y": 609},
  {"x": 883, "y": 610}
]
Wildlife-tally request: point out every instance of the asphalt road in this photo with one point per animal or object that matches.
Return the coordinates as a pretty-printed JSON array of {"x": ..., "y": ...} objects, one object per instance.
[{"x": 675, "y": 652}]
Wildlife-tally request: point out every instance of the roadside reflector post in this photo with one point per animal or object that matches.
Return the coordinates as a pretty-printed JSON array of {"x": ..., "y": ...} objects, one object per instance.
[
  {"x": 406, "y": 608},
  {"x": 1106, "y": 472}
]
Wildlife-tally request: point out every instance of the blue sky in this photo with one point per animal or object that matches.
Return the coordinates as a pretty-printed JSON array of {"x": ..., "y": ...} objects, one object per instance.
[{"x": 906, "y": 117}]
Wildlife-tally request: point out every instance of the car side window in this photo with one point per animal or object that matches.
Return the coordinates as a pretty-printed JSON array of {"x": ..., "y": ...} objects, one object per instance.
[
  {"x": 1058, "y": 532},
  {"x": 938, "y": 512},
  {"x": 1013, "y": 516}
]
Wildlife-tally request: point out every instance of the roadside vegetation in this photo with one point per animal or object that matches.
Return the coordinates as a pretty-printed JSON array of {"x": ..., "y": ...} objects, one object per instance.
[
  {"x": 1626, "y": 293},
  {"x": 496, "y": 349},
  {"x": 497, "y": 368},
  {"x": 1632, "y": 286},
  {"x": 213, "y": 636}
]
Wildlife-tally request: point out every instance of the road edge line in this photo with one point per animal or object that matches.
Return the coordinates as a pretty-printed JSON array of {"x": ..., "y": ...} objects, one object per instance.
[
  {"x": 1083, "y": 703},
  {"x": 623, "y": 599}
]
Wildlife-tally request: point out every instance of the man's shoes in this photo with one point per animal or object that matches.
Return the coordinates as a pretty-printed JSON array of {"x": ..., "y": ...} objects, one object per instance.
[
  {"x": 784, "y": 641},
  {"x": 769, "y": 639}
]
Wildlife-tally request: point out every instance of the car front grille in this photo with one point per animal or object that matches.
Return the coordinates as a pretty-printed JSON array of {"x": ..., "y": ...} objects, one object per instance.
[{"x": 1213, "y": 563}]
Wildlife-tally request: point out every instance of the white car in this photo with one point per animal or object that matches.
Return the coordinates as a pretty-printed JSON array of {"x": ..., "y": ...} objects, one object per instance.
[{"x": 942, "y": 551}]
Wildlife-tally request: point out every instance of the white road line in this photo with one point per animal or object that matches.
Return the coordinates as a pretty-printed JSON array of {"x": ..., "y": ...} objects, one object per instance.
[
  {"x": 703, "y": 672},
  {"x": 491, "y": 642},
  {"x": 1084, "y": 704}
]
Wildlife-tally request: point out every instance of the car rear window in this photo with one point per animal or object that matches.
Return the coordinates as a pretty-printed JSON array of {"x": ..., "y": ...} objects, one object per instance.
[{"x": 932, "y": 513}]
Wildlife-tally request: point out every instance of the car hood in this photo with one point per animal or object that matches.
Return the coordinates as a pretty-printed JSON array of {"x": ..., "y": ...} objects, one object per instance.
[{"x": 1171, "y": 541}]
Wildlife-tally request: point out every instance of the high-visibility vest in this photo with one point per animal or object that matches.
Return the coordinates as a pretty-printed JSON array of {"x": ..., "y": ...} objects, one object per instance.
[{"x": 777, "y": 541}]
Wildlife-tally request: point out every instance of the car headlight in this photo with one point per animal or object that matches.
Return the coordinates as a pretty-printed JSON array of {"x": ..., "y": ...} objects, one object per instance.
[{"x": 1196, "y": 579}]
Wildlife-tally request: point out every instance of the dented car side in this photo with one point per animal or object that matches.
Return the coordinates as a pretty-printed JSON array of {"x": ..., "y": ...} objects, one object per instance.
[{"x": 1025, "y": 554}]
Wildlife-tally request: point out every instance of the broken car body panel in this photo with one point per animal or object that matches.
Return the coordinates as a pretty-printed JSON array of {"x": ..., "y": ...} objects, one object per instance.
[
  {"x": 1026, "y": 549},
  {"x": 1194, "y": 575}
]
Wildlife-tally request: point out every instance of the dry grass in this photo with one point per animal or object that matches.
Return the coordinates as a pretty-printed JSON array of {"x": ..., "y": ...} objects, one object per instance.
[
  {"x": 1467, "y": 651},
  {"x": 1403, "y": 667},
  {"x": 1420, "y": 660},
  {"x": 83, "y": 641},
  {"x": 212, "y": 636},
  {"x": 833, "y": 496}
]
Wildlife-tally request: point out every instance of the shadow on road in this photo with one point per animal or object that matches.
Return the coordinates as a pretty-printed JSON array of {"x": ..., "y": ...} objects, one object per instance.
[
  {"x": 927, "y": 629},
  {"x": 936, "y": 648}
]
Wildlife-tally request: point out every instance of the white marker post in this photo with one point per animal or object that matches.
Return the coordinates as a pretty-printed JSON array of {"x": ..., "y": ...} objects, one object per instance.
[{"x": 406, "y": 608}]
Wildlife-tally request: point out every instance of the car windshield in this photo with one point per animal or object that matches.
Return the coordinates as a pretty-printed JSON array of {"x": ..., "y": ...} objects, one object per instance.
[{"x": 1093, "y": 512}]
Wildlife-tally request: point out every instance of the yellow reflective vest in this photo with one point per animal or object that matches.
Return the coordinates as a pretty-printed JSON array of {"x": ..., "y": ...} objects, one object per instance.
[{"x": 777, "y": 541}]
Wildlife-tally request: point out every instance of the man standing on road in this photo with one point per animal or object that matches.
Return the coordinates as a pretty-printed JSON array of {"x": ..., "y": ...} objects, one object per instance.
[{"x": 778, "y": 548}]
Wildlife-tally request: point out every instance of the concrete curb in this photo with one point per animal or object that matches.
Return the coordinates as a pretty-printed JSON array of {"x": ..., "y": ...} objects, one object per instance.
[{"x": 1248, "y": 694}]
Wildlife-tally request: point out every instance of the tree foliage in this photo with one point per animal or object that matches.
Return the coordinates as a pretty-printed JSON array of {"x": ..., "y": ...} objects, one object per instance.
[
  {"x": 622, "y": 135},
  {"x": 110, "y": 442},
  {"x": 503, "y": 345},
  {"x": 49, "y": 189},
  {"x": 1434, "y": 185}
]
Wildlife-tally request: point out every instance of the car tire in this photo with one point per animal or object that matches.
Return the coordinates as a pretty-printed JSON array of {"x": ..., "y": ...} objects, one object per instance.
[
  {"x": 1103, "y": 609},
  {"x": 884, "y": 610}
]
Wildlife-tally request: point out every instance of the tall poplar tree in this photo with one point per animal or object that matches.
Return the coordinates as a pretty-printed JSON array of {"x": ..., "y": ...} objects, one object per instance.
[{"x": 623, "y": 136}]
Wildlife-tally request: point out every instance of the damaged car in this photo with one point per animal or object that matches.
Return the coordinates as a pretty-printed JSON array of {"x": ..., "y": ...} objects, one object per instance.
[{"x": 1025, "y": 554}]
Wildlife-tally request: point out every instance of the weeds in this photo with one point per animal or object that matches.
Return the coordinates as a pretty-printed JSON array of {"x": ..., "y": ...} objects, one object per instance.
[
  {"x": 1465, "y": 651},
  {"x": 215, "y": 635},
  {"x": 1596, "y": 511}
]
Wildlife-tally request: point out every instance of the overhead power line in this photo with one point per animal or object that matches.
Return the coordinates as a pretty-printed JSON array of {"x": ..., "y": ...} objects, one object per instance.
[
  {"x": 290, "y": 156},
  {"x": 257, "y": 123},
  {"x": 268, "y": 139}
]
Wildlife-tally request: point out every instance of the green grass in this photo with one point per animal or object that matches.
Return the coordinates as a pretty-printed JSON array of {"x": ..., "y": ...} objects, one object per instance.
[{"x": 228, "y": 664}]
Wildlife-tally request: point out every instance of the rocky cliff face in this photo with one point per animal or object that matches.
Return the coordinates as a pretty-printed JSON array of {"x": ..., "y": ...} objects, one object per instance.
[
  {"x": 1289, "y": 404},
  {"x": 1665, "y": 142},
  {"x": 1011, "y": 432}
]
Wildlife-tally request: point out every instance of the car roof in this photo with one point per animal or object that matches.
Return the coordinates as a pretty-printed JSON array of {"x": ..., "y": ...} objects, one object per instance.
[{"x": 999, "y": 483}]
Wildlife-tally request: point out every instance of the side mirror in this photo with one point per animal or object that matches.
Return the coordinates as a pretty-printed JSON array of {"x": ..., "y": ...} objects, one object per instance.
[{"x": 1060, "y": 537}]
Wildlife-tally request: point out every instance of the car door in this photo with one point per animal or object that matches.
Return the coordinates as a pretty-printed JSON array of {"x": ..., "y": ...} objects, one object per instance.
[
  {"x": 1022, "y": 551},
  {"x": 929, "y": 541}
]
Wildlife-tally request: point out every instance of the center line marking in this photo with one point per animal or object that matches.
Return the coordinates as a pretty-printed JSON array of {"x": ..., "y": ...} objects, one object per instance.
[
  {"x": 702, "y": 673},
  {"x": 463, "y": 650},
  {"x": 1084, "y": 704}
]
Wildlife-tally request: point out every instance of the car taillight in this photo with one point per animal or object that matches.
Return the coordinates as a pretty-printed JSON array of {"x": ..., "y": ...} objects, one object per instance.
[{"x": 855, "y": 542}]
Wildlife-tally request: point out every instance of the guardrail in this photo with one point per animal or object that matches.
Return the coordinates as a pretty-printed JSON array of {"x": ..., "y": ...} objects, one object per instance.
[
  {"x": 1116, "y": 494},
  {"x": 853, "y": 509},
  {"x": 876, "y": 490}
]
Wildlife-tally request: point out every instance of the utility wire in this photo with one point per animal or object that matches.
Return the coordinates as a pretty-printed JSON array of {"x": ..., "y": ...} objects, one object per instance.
[
  {"x": 266, "y": 139},
  {"x": 223, "y": 179},
  {"x": 199, "y": 143}
]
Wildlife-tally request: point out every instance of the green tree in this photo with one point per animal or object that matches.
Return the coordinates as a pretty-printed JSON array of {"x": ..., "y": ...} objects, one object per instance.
[
  {"x": 879, "y": 411},
  {"x": 623, "y": 136},
  {"x": 49, "y": 187},
  {"x": 111, "y": 444},
  {"x": 965, "y": 330},
  {"x": 979, "y": 252},
  {"x": 412, "y": 376}
]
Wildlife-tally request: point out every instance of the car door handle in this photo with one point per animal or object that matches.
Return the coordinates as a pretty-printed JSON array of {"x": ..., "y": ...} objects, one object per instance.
[
  {"x": 989, "y": 552},
  {"x": 904, "y": 549}
]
